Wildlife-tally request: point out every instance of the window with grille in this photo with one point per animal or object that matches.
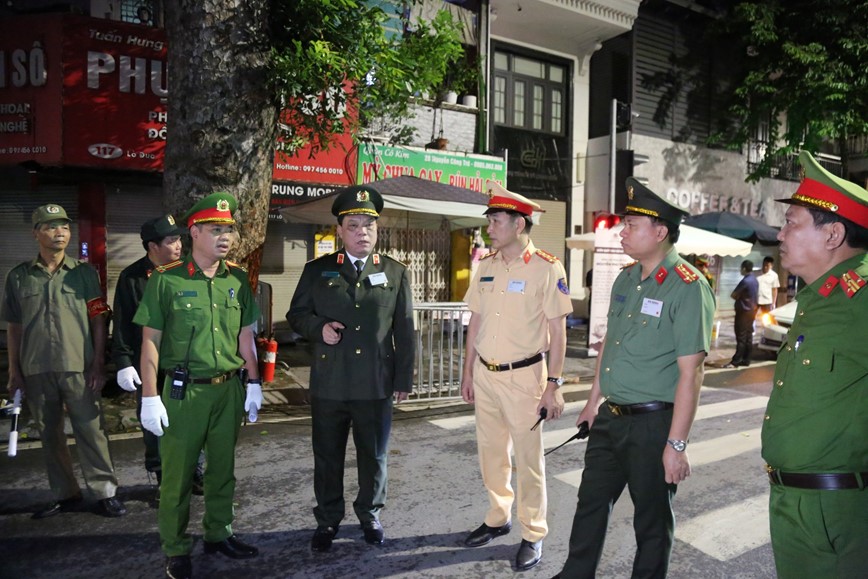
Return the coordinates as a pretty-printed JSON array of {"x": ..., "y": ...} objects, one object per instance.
[
  {"x": 139, "y": 12},
  {"x": 528, "y": 93}
]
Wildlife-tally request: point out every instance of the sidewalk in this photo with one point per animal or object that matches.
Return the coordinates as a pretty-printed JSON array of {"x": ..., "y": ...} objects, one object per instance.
[{"x": 286, "y": 398}]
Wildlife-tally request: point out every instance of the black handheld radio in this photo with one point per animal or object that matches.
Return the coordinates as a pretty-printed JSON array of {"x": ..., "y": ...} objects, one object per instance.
[{"x": 181, "y": 374}]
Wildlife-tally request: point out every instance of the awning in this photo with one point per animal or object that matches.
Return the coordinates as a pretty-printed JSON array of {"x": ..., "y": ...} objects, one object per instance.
[
  {"x": 691, "y": 240},
  {"x": 408, "y": 202}
]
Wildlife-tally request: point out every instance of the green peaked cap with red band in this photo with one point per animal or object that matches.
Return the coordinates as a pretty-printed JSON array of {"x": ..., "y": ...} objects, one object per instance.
[
  {"x": 825, "y": 192},
  {"x": 215, "y": 208}
]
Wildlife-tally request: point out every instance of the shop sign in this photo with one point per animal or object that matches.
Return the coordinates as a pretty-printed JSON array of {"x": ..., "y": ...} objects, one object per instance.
[
  {"x": 461, "y": 170},
  {"x": 286, "y": 194},
  {"x": 696, "y": 202}
]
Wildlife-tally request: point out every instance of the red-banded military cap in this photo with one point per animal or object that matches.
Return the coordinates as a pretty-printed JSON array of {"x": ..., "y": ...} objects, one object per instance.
[
  {"x": 499, "y": 199},
  {"x": 823, "y": 191},
  {"x": 358, "y": 200},
  {"x": 215, "y": 208},
  {"x": 643, "y": 201}
]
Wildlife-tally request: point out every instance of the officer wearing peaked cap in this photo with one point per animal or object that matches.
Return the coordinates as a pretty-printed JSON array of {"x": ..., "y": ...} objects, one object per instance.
[
  {"x": 201, "y": 304},
  {"x": 355, "y": 307},
  {"x": 161, "y": 239},
  {"x": 815, "y": 432},
  {"x": 645, "y": 391},
  {"x": 516, "y": 343}
]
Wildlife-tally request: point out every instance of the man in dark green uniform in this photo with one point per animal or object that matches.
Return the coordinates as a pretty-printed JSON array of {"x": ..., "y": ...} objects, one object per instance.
[
  {"x": 161, "y": 238},
  {"x": 815, "y": 432},
  {"x": 197, "y": 318},
  {"x": 649, "y": 372},
  {"x": 356, "y": 308},
  {"x": 55, "y": 312}
]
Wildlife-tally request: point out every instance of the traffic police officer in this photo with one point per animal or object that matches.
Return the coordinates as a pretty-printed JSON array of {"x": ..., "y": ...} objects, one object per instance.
[
  {"x": 516, "y": 343},
  {"x": 649, "y": 372},
  {"x": 197, "y": 315},
  {"x": 815, "y": 432},
  {"x": 56, "y": 312},
  {"x": 356, "y": 309},
  {"x": 161, "y": 239}
]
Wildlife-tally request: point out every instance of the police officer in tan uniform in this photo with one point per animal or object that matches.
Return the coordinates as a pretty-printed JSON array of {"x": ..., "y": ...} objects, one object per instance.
[{"x": 516, "y": 343}]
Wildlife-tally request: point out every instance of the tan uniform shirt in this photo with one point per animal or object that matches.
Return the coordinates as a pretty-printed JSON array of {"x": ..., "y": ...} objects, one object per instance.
[{"x": 515, "y": 301}]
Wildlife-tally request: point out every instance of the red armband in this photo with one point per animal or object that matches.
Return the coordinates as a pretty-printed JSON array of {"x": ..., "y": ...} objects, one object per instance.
[{"x": 96, "y": 306}]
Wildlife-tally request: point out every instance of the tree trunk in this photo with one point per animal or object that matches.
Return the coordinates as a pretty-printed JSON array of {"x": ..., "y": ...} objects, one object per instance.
[{"x": 222, "y": 114}]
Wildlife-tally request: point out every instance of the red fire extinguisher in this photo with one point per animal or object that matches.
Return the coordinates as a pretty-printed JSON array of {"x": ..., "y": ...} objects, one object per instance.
[{"x": 269, "y": 358}]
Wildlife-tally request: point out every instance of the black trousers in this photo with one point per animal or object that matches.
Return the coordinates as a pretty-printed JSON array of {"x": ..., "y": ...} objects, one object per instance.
[
  {"x": 743, "y": 337},
  {"x": 371, "y": 423},
  {"x": 624, "y": 451}
]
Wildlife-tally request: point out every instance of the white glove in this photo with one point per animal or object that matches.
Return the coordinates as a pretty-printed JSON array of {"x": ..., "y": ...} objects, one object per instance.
[
  {"x": 154, "y": 413},
  {"x": 254, "y": 400},
  {"x": 128, "y": 378}
]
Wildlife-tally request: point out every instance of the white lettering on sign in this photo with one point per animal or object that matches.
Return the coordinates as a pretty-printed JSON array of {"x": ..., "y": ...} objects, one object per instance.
[
  {"x": 14, "y": 108},
  {"x": 697, "y": 202},
  {"x": 22, "y": 67},
  {"x": 133, "y": 73}
]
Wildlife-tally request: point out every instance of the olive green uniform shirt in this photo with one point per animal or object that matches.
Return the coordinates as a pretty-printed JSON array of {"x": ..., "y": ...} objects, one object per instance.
[
  {"x": 208, "y": 313},
  {"x": 651, "y": 323},
  {"x": 52, "y": 310},
  {"x": 817, "y": 416}
]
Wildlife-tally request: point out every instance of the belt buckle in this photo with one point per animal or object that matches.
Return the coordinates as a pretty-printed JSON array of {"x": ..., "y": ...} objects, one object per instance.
[
  {"x": 491, "y": 367},
  {"x": 614, "y": 408}
]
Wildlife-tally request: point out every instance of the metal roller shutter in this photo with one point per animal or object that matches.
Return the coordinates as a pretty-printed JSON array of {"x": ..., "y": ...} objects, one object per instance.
[
  {"x": 549, "y": 234},
  {"x": 287, "y": 249}
]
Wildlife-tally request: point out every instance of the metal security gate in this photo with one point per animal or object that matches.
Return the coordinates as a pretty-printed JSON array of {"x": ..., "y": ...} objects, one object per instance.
[
  {"x": 439, "y": 349},
  {"x": 426, "y": 253}
]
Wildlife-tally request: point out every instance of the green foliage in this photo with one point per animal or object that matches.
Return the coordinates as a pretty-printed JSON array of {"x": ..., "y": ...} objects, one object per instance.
[
  {"x": 320, "y": 46},
  {"x": 804, "y": 61}
]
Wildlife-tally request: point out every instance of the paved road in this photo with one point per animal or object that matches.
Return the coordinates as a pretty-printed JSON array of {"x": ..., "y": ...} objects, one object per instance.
[{"x": 436, "y": 497}]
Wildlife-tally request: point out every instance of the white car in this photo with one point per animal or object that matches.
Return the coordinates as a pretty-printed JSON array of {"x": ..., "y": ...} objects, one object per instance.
[{"x": 775, "y": 325}]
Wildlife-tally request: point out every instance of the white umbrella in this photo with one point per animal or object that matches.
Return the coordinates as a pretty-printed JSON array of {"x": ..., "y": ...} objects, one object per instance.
[{"x": 691, "y": 240}]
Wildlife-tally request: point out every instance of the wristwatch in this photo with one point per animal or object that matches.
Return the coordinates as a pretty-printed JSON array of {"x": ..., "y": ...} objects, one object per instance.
[
  {"x": 558, "y": 381},
  {"x": 257, "y": 381},
  {"x": 678, "y": 445}
]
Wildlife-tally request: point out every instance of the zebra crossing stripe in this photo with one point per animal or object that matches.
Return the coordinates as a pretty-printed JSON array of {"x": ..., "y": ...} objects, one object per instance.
[{"x": 730, "y": 531}]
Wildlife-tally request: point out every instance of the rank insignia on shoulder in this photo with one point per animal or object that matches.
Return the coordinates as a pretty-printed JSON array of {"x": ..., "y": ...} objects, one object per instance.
[
  {"x": 631, "y": 264},
  {"x": 489, "y": 254},
  {"x": 828, "y": 285},
  {"x": 546, "y": 256},
  {"x": 562, "y": 286},
  {"x": 851, "y": 282},
  {"x": 236, "y": 265},
  {"x": 168, "y": 266},
  {"x": 685, "y": 274}
]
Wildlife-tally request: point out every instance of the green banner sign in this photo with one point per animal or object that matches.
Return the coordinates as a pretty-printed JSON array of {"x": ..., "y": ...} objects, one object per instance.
[{"x": 462, "y": 170}]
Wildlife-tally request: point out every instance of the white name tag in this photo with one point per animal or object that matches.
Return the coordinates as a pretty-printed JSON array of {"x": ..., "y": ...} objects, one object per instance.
[
  {"x": 378, "y": 278},
  {"x": 515, "y": 286},
  {"x": 652, "y": 307}
]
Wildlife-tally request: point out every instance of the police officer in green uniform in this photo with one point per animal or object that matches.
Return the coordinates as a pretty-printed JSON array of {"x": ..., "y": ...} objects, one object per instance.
[
  {"x": 815, "y": 432},
  {"x": 356, "y": 309},
  {"x": 197, "y": 317},
  {"x": 648, "y": 377},
  {"x": 56, "y": 332},
  {"x": 161, "y": 238}
]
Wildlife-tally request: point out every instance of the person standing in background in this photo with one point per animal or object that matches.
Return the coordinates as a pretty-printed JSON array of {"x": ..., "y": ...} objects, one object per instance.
[
  {"x": 56, "y": 317},
  {"x": 745, "y": 296},
  {"x": 161, "y": 239},
  {"x": 768, "y": 281}
]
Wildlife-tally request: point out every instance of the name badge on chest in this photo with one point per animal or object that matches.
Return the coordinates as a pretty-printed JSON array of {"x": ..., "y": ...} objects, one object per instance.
[
  {"x": 652, "y": 307},
  {"x": 516, "y": 286},
  {"x": 378, "y": 278}
]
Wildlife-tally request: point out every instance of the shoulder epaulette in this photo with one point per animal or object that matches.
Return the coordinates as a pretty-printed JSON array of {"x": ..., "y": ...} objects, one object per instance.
[
  {"x": 852, "y": 282},
  {"x": 168, "y": 266},
  {"x": 685, "y": 273},
  {"x": 489, "y": 254},
  {"x": 391, "y": 258},
  {"x": 547, "y": 256},
  {"x": 236, "y": 265},
  {"x": 631, "y": 264}
]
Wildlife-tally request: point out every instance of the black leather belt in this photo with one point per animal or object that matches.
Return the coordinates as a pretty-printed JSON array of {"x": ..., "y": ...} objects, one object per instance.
[
  {"x": 641, "y": 408},
  {"x": 218, "y": 379},
  {"x": 514, "y": 365},
  {"x": 824, "y": 482}
]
